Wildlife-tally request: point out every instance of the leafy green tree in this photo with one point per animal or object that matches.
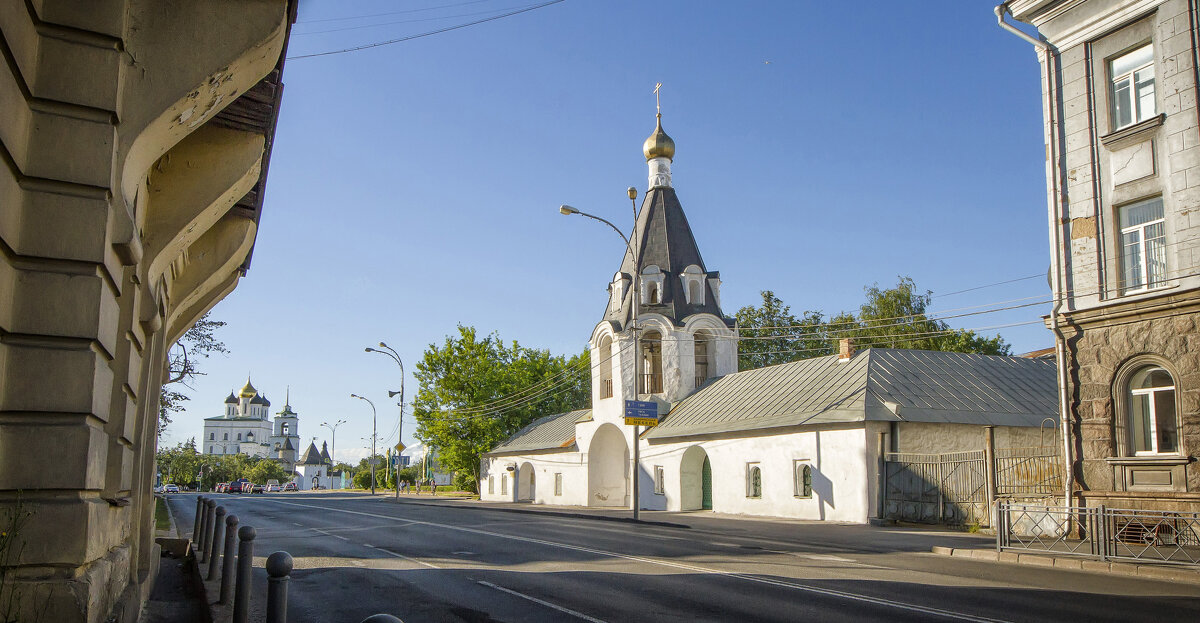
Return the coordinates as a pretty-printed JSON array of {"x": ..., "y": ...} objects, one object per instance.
[
  {"x": 896, "y": 318},
  {"x": 266, "y": 469},
  {"x": 893, "y": 317},
  {"x": 183, "y": 365},
  {"x": 468, "y": 372},
  {"x": 771, "y": 334}
]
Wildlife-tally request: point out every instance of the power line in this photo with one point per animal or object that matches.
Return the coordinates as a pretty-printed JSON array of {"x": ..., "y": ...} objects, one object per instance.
[
  {"x": 403, "y": 21},
  {"x": 428, "y": 33},
  {"x": 353, "y": 17}
]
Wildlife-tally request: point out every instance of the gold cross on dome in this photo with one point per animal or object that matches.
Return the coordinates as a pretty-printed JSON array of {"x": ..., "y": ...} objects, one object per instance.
[{"x": 657, "y": 101}]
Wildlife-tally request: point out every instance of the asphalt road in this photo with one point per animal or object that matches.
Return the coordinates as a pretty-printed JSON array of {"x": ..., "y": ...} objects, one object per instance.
[{"x": 445, "y": 561}]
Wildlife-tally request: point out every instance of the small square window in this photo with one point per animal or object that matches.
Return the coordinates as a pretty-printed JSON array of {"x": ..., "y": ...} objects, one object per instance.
[
  {"x": 803, "y": 479},
  {"x": 660, "y": 484},
  {"x": 558, "y": 483},
  {"x": 753, "y": 480}
]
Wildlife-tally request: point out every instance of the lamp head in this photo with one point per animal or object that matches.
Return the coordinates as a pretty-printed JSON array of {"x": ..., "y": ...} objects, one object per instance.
[
  {"x": 355, "y": 396},
  {"x": 392, "y": 394},
  {"x": 369, "y": 349},
  {"x": 382, "y": 345},
  {"x": 632, "y": 192},
  {"x": 567, "y": 210}
]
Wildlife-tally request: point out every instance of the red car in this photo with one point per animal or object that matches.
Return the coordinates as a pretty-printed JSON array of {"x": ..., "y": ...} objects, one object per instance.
[{"x": 237, "y": 486}]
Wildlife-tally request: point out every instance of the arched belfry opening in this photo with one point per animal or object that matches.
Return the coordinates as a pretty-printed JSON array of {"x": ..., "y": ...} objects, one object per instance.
[
  {"x": 652, "y": 365},
  {"x": 702, "y": 342},
  {"x": 608, "y": 468},
  {"x": 604, "y": 368},
  {"x": 525, "y": 483}
]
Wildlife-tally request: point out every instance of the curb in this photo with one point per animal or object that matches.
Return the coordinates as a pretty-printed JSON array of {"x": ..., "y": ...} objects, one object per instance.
[
  {"x": 640, "y": 522},
  {"x": 1167, "y": 573}
]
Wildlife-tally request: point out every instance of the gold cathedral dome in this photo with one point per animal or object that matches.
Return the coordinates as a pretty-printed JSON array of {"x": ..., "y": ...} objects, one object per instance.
[
  {"x": 248, "y": 390},
  {"x": 659, "y": 145}
]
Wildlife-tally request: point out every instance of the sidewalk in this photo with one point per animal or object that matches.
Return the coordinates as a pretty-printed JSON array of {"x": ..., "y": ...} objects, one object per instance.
[
  {"x": 868, "y": 539},
  {"x": 176, "y": 596}
]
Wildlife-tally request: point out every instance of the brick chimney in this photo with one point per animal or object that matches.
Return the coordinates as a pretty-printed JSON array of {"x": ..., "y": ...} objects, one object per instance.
[{"x": 845, "y": 349}]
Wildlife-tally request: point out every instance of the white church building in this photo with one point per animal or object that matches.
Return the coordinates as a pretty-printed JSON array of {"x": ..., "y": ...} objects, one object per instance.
[
  {"x": 246, "y": 427},
  {"x": 798, "y": 440}
]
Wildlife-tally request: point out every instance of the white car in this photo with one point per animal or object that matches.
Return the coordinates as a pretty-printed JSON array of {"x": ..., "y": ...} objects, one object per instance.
[{"x": 171, "y": 489}]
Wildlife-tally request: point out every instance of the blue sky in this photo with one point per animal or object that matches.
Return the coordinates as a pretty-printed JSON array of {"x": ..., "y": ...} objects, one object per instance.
[{"x": 415, "y": 186}]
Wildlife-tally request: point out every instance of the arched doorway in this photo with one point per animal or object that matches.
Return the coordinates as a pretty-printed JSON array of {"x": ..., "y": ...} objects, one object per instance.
[
  {"x": 608, "y": 467},
  {"x": 695, "y": 480},
  {"x": 525, "y": 483}
]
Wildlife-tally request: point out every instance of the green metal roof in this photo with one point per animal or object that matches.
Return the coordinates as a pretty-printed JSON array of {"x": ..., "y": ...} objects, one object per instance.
[
  {"x": 878, "y": 384},
  {"x": 552, "y": 432}
]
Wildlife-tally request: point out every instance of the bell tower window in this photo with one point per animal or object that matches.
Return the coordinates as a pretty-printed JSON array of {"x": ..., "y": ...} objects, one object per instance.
[
  {"x": 652, "y": 377},
  {"x": 652, "y": 286},
  {"x": 605, "y": 379},
  {"x": 701, "y": 341},
  {"x": 692, "y": 279}
]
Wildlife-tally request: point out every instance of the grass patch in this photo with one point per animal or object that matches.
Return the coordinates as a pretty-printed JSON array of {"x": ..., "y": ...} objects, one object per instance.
[{"x": 161, "y": 520}]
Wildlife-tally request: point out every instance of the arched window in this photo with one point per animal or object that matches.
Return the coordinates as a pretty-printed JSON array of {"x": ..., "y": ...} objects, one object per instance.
[
  {"x": 652, "y": 377},
  {"x": 491, "y": 485},
  {"x": 239, "y": 436},
  {"x": 803, "y": 480},
  {"x": 694, "y": 295},
  {"x": 212, "y": 449},
  {"x": 285, "y": 429},
  {"x": 754, "y": 481},
  {"x": 606, "y": 367},
  {"x": 653, "y": 296},
  {"x": 1152, "y": 418},
  {"x": 700, "y": 341},
  {"x": 226, "y": 437},
  {"x": 212, "y": 436}
]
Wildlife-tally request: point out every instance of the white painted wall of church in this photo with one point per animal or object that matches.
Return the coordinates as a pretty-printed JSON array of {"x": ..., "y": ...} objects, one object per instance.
[{"x": 841, "y": 474}]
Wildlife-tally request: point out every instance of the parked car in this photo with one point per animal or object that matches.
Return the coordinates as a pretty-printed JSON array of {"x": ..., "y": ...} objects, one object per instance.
[
  {"x": 241, "y": 485},
  {"x": 291, "y": 486},
  {"x": 274, "y": 488},
  {"x": 171, "y": 489},
  {"x": 258, "y": 488}
]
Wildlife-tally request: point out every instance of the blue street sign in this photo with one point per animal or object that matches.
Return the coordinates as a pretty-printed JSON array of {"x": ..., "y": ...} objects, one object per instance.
[{"x": 641, "y": 413}]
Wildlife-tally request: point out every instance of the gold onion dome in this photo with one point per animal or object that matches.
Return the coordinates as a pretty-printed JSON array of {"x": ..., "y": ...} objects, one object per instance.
[
  {"x": 248, "y": 390},
  {"x": 659, "y": 145}
]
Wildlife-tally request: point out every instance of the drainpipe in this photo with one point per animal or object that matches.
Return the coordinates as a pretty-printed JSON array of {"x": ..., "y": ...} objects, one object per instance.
[{"x": 1056, "y": 249}]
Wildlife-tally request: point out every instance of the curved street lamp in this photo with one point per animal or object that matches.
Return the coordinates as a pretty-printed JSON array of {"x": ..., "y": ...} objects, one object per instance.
[
  {"x": 391, "y": 352},
  {"x": 333, "y": 441},
  {"x": 374, "y": 421},
  {"x": 567, "y": 210}
]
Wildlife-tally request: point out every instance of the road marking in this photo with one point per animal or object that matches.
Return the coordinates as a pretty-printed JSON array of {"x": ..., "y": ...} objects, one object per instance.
[
  {"x": 419, "y": 562},
  {"x": 879, "y": 601},
  {"x": 826, "y": 557},
  {"x": 464, "y": 553},
  {"x": 542, "y": 602}
]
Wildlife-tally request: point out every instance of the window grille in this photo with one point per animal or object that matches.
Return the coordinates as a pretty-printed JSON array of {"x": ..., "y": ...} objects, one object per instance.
[
  {"x": 659, "y": 480},
  {"x": 803, "y": 480},
  {"x": 558, "y": 487},
  {"x": 753, "y": 481}
]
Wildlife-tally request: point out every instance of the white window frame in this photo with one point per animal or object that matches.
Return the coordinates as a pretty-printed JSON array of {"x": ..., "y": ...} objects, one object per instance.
[
  {"x": 503, "y": 484},
  {"x": 491, "y": 485},
  {"x": 799, "y": 489},
  {"x": 1143, "y": 254},
  {"x": 750, "y": 492},
  {"x": 660, "y": 480},
  {"x": 1126, "y": 78},
  {"x": 1152, "y": 414},
  {"x": 558, "y": 484}
]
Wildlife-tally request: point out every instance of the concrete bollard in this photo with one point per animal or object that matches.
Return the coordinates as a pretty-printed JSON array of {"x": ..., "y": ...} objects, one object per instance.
[
  {"x": 381, "y": 618},
  {"x": 210, "y": 511},
  {"x": 199, "y": 517},
  {"x": 245, "y": 566},
  {"x": 227, "y": 568},
  {"x": 279, "y": 566},
  {"x": 200, "y": 551},
  {"x": 214, "y": 550}
]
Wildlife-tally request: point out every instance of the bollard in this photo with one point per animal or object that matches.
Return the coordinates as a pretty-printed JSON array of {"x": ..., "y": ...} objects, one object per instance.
[
  {"x": 199, "y": 516},
  {"x": 279, "y": 565},
  {"x": 227, "y": 568},
  {"x": 381, "y": 618},
  {"x": 200, "y": 551},
  {"x": 209, "y": 523},
  {"x": 214, "y": 550},
  {"x": 245, "y": 566}
]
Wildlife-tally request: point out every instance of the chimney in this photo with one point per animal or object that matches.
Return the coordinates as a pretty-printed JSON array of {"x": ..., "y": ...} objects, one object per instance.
[{"x": 845, "y": 349}]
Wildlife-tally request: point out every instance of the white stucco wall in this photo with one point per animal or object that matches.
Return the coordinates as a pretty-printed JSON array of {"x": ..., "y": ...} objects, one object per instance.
[
  {"x": 570, "y": 464},
  {"x": 838, "y": 457}
]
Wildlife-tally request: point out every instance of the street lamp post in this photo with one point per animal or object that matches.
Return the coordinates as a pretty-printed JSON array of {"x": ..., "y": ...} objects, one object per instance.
[
  {"x": 333, "y": 440},
  {"x": 567, "y": 210},
  {"x": 391, "y": 352},
  {"x": 374, "y": 422}
]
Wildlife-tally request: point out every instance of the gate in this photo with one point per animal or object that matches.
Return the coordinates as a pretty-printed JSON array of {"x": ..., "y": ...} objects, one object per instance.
[{"x": 936, "y": 488}]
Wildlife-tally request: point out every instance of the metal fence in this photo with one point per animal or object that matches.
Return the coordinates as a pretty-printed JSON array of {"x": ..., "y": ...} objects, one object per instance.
[
  {"x": 951, "y": 488},
  {"x": 1033, "y": 472},
  {"x": 1100, "y": 532},
  {"x": 936, "y": 488}
]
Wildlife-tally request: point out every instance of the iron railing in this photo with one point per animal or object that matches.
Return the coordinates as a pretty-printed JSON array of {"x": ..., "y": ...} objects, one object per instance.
[
  {"x": 606, "y": 388},
  {"x": 1028, "y": 471},
  {"x": 1100, "y": 532},
  {"x": 652, "y": 383}
]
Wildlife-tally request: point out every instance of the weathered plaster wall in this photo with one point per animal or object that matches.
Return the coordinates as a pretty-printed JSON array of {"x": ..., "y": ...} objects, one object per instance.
[
  {"x": 114, "y": 238},
  {"x": 935, "y": 438}
]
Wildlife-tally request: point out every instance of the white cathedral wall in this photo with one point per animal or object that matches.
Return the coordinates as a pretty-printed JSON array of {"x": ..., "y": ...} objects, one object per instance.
[{"x": 841, "y": 474}]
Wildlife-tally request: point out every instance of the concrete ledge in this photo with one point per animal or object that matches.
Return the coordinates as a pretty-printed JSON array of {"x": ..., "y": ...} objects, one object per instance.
[{"x": 1168, "y": 573}]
